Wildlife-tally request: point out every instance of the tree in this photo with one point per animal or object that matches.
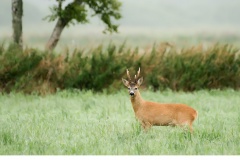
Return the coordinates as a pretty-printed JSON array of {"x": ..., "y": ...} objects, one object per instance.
[
  {"x": 17, "y": 13},
  {"x": 77, "y": 11}
]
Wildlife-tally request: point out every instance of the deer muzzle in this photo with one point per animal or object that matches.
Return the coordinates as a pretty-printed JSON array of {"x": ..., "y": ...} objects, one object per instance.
[{"x": 131, "y": 93}]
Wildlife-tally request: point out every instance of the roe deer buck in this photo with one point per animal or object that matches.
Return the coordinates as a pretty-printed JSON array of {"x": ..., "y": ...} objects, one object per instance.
[{"x": 157, "y": 114}]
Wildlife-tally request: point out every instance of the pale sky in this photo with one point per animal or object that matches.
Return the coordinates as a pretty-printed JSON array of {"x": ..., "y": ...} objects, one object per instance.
[
  {"x": 186, "y": 15},
  {"x": 157, "y": 18}
]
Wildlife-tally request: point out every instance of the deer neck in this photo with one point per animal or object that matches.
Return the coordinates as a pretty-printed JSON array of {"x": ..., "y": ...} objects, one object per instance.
[{"x": 137, "y": 101}]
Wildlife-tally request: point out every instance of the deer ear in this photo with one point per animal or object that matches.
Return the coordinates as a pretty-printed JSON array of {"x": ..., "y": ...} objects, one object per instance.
[
  {"x": 125, "y": 82},
  {"x": 140, "y": 80}
]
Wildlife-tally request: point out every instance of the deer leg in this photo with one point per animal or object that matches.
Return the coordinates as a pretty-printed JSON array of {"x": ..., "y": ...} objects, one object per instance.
[
  {"x": 186, "y": 126},
  {"x": 190, "y": 127},
  {"x": 146, "y": 125}
]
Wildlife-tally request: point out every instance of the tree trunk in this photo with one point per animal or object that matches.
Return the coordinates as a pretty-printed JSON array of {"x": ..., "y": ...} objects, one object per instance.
[
  {"x": 17, "y": 13},
  {"x": 53, "y": 40}
]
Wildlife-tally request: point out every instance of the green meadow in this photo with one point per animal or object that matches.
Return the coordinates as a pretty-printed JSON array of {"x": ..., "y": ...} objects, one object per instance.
[
  {"x": 72, "y": 101},
  {"x": 88, "y": 123}
]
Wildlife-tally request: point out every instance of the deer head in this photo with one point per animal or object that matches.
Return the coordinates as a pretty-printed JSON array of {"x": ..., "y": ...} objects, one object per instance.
[{"x": 133, "y": 85}]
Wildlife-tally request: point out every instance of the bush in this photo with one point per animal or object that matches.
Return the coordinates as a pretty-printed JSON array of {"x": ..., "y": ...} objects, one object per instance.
[
  {"x": 164, "y": 67},
  {"x": 16, "y": 66}
]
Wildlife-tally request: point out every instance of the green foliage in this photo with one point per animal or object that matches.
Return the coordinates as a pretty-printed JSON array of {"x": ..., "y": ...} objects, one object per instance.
[
  {"x": 101, "y": 68},
  {"x": 77, "y": 11},
  {"x": 85, "y": 123},
  {"x": 193, "y": 69},
  {"x": 107, "y": 9},
  {"x": 90, "y": 77},
  {"x": 15, "y": 66}
]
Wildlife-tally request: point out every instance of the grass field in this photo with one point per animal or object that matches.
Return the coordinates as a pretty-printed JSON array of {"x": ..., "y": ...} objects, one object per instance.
[{"x": 86, "y": 123}]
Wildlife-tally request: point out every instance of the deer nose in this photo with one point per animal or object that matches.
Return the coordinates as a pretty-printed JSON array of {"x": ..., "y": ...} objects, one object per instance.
[{"x": 131, "y": 93}]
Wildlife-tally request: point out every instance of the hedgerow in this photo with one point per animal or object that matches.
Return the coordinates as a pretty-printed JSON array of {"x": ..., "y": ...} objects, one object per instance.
[{"x": 101, "y": 68}]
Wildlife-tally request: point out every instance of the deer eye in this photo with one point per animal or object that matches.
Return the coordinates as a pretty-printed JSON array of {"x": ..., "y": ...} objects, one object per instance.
[
  {"x": 136, "y": 88},
  {"x": 128, "y": 88}
]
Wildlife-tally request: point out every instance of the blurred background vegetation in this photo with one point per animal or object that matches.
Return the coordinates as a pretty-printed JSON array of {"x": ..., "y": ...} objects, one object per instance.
[
  {"x": 180, "y": 45},
  {"x": 101, "y": 68},
  {"x": 143, "y": 23}
]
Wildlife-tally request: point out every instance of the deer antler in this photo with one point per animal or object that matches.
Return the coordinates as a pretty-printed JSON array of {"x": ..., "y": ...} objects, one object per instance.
[
  {"x": 138, "y": 74},
  {"x": 129, "y": 77}
]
